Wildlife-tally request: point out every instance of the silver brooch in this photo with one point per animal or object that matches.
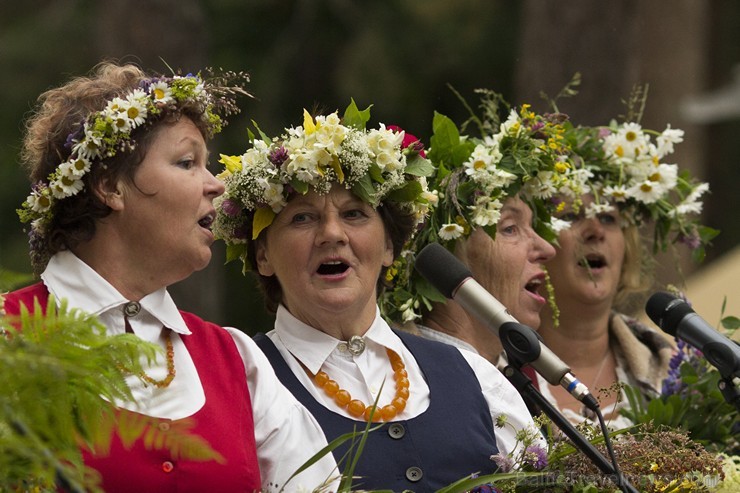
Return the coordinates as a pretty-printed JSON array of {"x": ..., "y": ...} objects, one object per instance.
[
  {"x": 356, "y": 345},
  {"x": 131, "y": 309}
]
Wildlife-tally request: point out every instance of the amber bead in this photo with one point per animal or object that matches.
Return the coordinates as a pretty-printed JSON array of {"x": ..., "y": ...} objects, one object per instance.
[
  {"x": 399, "y": 404},
  {"x": 376, "y": 415},
  {"x": 342, "y": 397},
  {"x": 331, "y": 387},
  {"x": 403, "y": 393},
  {"x": 356, "y": 408},
  {"x": 401, "y": 373},
  {"x": 387, "y": 413},
  {"x": 321, "y": 378}
]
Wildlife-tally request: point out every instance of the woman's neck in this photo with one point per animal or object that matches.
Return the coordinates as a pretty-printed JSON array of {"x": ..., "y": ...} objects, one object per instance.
[
  {"x": 450, "y": 318},
  {"x": 340, "y": 325},
  {"x": 581, "y": 337}
]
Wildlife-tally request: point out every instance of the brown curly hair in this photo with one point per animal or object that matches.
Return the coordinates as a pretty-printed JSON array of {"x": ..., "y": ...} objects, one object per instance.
[
  {"x": 60, "y": 113},
  {"x": 399, "y": 224}
]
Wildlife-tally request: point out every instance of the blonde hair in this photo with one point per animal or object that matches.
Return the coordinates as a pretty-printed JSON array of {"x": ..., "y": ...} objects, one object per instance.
[{"x": 635, "y": 279}]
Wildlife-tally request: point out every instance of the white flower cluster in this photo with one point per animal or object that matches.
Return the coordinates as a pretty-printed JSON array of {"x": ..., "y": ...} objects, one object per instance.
[
  {"x": 323, "y": 151},
  {"x": 105, "y": 133},
  {"x": 646, "y": 178},
  {"x": 483, "y": 168}
]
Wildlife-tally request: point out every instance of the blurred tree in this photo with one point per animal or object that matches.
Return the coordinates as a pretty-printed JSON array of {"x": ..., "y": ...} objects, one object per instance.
[{"x": 616, "y": 46}]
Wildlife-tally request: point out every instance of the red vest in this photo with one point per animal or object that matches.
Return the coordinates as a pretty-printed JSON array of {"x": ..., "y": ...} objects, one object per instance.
[{"x": 225, "y": 421}]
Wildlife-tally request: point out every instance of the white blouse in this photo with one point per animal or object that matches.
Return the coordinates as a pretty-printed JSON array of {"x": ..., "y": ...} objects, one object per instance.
[
  {"x": 286, "y": 434},
  {"x": 369, "y": 373}
]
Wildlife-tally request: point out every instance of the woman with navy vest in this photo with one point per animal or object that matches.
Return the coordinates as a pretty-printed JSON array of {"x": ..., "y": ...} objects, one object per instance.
[
  {"x": 121, "y": 207},
  {"x": 320, "y": 213}
]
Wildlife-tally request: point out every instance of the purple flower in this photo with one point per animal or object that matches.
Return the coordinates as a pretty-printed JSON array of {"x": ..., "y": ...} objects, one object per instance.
[
  {"x": 692, "y": 241},
  {"x": 504, "y": 462},
  {"x": 536, "y": 457},
  {"x": 278, "y": 156},
  {"x": 231, "y": 208}
]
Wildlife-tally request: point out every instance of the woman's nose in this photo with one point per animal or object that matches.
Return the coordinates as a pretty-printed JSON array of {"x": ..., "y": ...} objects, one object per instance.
[
  {"x": 331, "y": 230},
  {"x": 542, "y": 249},
  {"x": 592, "y": 229},
  {"x": 213, "y": 186}
]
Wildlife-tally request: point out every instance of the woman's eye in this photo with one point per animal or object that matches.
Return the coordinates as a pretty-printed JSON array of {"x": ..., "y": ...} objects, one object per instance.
[
  {"x": 508, "y": 229},
  {"x": 354, "y": 214},
  {"x": 186, "y": 163},
  {"x": 301, "y": 217},
  {"x": 605, "y": 218}
]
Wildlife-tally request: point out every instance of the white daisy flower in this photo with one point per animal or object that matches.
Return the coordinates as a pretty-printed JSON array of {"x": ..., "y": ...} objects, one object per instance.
[
  {"x": 646, "y": 191},
  {"x": 667, "y": 139},
  {"x": 79, "y": 166},
  {"x": 137, "y": 110},
  {"x": 666, "y": 175},
  {"x": 486, "y": 212},
  {"x": 66, "y": 186},
  {"x": 39, "y": 201},
  {"x": 451, "y": 231},
  {"x": 161, "y": 92},
  {"x": 617, "y": 193}
]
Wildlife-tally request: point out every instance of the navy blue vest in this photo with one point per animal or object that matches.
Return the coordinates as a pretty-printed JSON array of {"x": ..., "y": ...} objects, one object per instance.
[{"x": 452, "y": 439}]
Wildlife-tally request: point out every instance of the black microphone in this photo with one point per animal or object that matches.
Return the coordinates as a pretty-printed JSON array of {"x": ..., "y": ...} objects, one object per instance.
[
  {"x": 677, "y": 318},
  {"x": 453, "y": 279}
]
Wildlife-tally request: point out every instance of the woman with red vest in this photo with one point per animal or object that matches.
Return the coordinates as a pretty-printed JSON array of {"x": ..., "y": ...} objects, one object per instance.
[{"x": 121, "y": 207}]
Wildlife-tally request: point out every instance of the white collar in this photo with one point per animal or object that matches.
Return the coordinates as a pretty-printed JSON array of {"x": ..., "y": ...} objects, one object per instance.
[
  {"x": 68, "y": 277},
  {"x": 312, "y": 347}
]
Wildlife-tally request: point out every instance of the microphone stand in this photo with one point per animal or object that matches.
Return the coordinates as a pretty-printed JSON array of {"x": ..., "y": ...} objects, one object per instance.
[
  {"x": 525, "y": 387},
  {"x": 729, "y": 390}
]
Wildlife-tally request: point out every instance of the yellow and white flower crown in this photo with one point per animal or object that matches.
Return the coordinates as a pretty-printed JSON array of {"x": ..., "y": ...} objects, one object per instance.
[
  {"x": 624, "y": 166},
  {"x": 105, "y": 133},
  {"x": 374, "y": 164}
]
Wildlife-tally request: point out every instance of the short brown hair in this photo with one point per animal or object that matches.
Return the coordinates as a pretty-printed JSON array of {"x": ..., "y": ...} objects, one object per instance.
[{"x": 61, "y": 112}]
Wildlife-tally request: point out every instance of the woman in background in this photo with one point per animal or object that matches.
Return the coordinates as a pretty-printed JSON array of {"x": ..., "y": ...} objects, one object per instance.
[
  {"x": 491, "y": 212},
  {"x": 601, "y": 269}
]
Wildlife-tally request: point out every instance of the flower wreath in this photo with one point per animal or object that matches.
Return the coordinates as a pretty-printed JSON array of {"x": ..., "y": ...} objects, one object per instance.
[
  {"x": 525, "y": 155},
  {"x": 625, "y": 168},
  {"x": 374, "y": 164},
  {"x": 105, "y": 133}
]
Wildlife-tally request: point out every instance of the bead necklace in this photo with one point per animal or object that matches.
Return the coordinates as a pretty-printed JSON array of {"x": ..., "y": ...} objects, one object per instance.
[
  {"x": 356, "y": 407},
  {"x": 166, "y": 381}
]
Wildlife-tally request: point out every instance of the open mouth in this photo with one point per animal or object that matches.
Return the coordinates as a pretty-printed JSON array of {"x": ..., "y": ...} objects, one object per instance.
[
  {"x": 533, "y": 285},
  {"x": 206, "y": 221},
  {"x": 332, "y": 268},
  {"x": 592, "y": 261}
]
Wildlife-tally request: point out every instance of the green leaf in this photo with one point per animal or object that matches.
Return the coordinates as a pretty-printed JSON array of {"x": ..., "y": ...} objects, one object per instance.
[
  {"x": 408, "y": 192},
  {"x": 363, "y": 188},
  {"x": 730, "y": 323},
  {"x": 235, "y": 251},
  {"x": 354, "y": 117},
  {"x": 263, "y": 217},
  {"x": 418, "y": 166}
]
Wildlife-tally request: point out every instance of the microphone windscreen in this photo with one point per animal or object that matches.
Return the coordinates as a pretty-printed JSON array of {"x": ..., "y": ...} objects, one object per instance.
[
  {"x": 667, "y": 311},
  {"x": 441, "y": 268}
]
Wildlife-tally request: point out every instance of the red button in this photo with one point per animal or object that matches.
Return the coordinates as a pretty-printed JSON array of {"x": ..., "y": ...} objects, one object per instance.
[{"x": 167, "y": 466}]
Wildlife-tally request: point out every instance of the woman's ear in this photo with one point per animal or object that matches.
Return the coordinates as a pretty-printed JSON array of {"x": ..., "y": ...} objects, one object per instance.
[
  {"x": 388, "y": 254},
  {"x": 110, "y": 192},
  {"x": 264, "y": 267}
]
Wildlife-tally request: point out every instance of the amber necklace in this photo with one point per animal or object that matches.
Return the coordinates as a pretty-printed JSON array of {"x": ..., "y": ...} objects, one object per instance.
[
  {"x": 167, "y": 380},
  {"x": 356, "y": 407}
]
